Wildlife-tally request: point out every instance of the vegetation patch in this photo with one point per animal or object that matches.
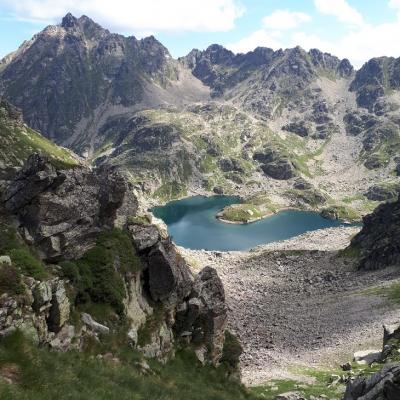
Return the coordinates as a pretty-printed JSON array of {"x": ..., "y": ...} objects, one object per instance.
[
  {"x": 326, "y": 383},
  {"x": 170, "y": 191},
  {"x": 22, "y": 256},
  {"x": 241, "y": 213},
  {"x": 351, "y": 251},
  {"x": 97, "y": 276},
  {"x": 341, "y": 212},
  {"x": 45, "y": 375}
]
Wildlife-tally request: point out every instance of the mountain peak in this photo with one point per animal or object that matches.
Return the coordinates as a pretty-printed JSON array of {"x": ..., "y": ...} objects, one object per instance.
[{"x": 69, "y": 21}]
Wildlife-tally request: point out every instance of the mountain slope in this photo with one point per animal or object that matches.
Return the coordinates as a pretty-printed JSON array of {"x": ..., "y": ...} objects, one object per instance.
[
  {"x": 69, "y": 76},
  {"x": 18, "y": 141},
  {"x": 289, "y": 127}
]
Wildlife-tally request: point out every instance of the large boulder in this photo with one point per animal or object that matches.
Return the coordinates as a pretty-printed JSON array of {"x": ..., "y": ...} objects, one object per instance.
[
  {"x": 383, "y": 385},
  {"x": 281, "y": 169},
  {"x": 203, "y": 317},
  {"x": 301, "y": 128},
  {"x": 383, "y": 192},
  {"x": 377, "y": 242},
  {"x": 62, "y": 211},
  {"x": 170, "y": 279},
  {"x": 144, "y": 236}
]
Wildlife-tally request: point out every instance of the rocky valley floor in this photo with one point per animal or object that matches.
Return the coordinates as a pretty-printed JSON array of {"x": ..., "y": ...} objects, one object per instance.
[{"x": 300, "y": 303}]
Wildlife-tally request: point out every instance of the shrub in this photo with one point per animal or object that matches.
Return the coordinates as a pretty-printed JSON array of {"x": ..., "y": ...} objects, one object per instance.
[
  {"x": 10, "y": 280},
  {"x": 27, "y": 263},
  {"x": 98, "y": 276},
  {"x": 231, "y": 351}
]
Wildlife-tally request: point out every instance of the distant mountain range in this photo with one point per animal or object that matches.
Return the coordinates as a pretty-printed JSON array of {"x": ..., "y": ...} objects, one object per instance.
[{"x": 212, "y": 120}]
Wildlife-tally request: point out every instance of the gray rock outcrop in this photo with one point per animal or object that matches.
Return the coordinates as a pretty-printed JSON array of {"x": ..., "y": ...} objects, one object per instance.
[
  {"x": 62, "y": 211},
  {"x": 377, "y": 242},
  {"x": 383, "y": 385}
]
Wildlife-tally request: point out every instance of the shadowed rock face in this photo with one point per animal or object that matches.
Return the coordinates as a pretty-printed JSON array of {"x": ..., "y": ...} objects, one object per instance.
[
  {"x": 378, "y": 240},
  {"x": 383, "y": 385},
  {"x": 62, "y": 211}
]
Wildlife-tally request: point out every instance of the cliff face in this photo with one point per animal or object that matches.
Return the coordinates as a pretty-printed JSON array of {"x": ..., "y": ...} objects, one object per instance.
[
  {"x": 85, "y": 221},
  {"x": 377, "y": 242}
]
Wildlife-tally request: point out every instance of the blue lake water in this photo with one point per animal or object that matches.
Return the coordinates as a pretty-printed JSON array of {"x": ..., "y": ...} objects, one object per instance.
[{"x": 192, "y": 224}]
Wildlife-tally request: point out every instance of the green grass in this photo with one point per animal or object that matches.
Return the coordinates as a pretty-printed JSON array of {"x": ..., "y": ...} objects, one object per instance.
[
  {"x": 10, "y": 280},
  {"x": 241, "y": 213},
  {"x": 139, "y": 220},
  {"x": 392, "y": 292},
  {"x": 351, "y": 251},
  {"x": 98, "y": 276},
  {"x": 18, "y": 142},
  {"x": 171, "y": 190},
  {"x": 43, "y": 375},
  {"x": 343, "y": 212},
  {"x": 22, "y": 256},
  {"x": 322, "y": 379}
]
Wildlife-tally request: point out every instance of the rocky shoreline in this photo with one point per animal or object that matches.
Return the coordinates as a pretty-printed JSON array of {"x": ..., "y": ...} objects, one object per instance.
[{"x": 277, "y": 292}]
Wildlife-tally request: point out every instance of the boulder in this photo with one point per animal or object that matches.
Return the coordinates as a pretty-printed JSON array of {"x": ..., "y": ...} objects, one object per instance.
[
  {"x": 301, "y": 128},
  {"x": 60, "y": 307},
  {"x": 170, "y": 279},
  {"x": 302, "y": 184},
  {"x": 367, "y": 357},
  {"x": 383, "y": 192},
  {"x": 207, "y": 307},
  {"x": 62, "y": 211},
  {"x": 382, "y": 385},
  {"x": 229, "y": 164},
  {"x": 5, "y": 260},
  {"x": 42, "y": 295},
  {"x": 282, "y": 169},
  {"x": 144, "y": 236},
  {"x": 377, "y": 241},
  {"x": 94, "y": 326},
  {"x": 289, "y": 396}
]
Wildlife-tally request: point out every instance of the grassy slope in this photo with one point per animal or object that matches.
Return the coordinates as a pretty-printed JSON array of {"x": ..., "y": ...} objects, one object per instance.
[
  {"x": 19, "y": 141},
  {"x": 41, "y": 374}
]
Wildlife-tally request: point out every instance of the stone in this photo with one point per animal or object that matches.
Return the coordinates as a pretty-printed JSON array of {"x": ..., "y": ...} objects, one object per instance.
[
  {"x": 301, "y": 128},
  {"x": 210, "y": 304},
  {"x": 376, "y": 243},
  {"x": 62, "y": 211},
  {"x": 382, "y": 385},
  {"x": 5, "y": 260},
  {"x": 144, "y": 236},
  {"x": 281, "y": 169},
  {"x": 93, "y": 325},
  {"x": 367, "y": 357},
  {"x": 346, "y": 366},
  {"x": 218, "y": 190},
  {"x": 289, "y": 396},
  {"x": 133, "y": 336},
  {"x": 64, "y": 338},
  {"x": 60, "y": 307},
  {"x": 383, "y": 192},
  {"x": 170, "y": 279},
  {"x": 42, "y": 295}
]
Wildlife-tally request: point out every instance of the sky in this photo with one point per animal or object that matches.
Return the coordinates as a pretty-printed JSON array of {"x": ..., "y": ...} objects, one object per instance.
[{"x": 353, "y": 29}]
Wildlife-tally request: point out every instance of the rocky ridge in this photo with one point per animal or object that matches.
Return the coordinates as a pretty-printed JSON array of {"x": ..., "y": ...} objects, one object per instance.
[
  {"x": 63, "y": 213},
  {"x": 137, "y": 108}
]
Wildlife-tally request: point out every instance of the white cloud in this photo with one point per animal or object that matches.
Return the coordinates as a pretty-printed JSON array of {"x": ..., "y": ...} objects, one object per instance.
[
  {"x": 360, "y": 42},
  {"x": 285, "y": 19},
  {"x": 341, "y": 10},
  {"x": 136, "y": 15},
  {"x": 255, "y": 39}
]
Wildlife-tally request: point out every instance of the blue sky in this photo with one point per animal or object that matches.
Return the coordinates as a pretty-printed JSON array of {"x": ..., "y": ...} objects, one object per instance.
[{"x": 355, "y": 29}]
